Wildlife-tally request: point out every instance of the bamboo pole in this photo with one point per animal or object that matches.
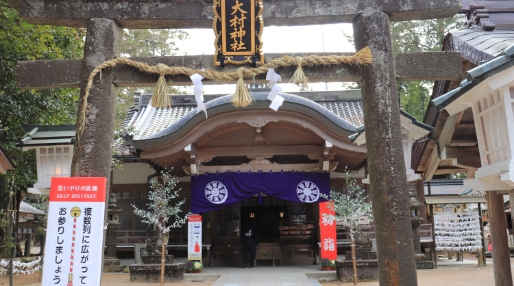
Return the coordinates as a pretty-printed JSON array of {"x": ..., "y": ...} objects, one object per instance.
[
  {"x": 354, "y": 260},
  {"x": 162, "y": 257}
]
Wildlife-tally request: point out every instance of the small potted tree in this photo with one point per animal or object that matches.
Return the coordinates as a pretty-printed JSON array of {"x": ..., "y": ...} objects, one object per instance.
[
  {"x": 159, "y": 212},
  {"x": 350, "y": 210}
]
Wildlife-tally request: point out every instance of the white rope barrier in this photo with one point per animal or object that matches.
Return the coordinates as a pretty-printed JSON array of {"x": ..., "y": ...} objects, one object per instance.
[{"x": 20, "y": 267}]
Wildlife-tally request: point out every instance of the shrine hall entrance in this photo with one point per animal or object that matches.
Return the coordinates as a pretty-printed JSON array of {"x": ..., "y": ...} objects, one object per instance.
[{"x": 286, "y": 232}]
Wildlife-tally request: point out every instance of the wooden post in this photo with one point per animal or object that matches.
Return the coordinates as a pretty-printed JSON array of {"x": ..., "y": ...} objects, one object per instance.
[
  {"x": 388, "y": 183},
  {"x": 163, "y": 250},
  {"x": 28, "y": 242},
  {"x": 432, "y": 246},
  {"x": 498, "y": 231},
  {"x": 354, "y": 260},
  {"x": 481, "y": 253}
]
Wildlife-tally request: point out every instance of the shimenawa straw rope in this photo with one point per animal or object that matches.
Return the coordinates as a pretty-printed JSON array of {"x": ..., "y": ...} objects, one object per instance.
[{"x": 242, "y": 97}]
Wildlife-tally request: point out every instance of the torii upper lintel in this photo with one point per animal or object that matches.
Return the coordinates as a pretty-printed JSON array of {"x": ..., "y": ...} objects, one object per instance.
[{"x": 198, "y": 14}]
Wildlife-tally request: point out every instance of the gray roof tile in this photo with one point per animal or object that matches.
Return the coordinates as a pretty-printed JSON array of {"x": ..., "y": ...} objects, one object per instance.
[{"x": 348, "y": 109}]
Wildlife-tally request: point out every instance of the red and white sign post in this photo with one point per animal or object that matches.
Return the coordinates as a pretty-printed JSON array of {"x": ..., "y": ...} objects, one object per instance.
[
  {"x": 327, "y": 227},
  {"x": 74, "y": 237},
  {"x": 194, "y": 237}
]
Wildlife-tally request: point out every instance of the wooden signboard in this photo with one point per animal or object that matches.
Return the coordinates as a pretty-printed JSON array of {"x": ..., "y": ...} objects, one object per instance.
[{"x": 238, "y": 27}]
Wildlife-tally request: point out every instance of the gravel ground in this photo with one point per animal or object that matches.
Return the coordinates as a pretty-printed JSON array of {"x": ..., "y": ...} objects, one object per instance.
[
  {"x": 446, "y": 277},
  {"x": 455, "y": 274}
]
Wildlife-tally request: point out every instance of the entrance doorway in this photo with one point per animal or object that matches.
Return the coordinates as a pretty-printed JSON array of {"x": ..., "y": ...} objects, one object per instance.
[
  {"x": 285, "y": 232},
  {"x": 266, "y": 220}
]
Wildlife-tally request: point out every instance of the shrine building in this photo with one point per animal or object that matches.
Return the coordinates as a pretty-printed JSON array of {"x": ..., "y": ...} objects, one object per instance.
[
  {"x": 304, "y": 137},
  {"x": 314, "y": 136}
]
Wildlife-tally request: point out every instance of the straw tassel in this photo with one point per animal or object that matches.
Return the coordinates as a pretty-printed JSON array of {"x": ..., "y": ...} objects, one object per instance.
[
  {"x": 242, "y": 96},
  {"x": 363, "y": 57},
  {"x": 160, "y": 98},
  {"x": 299, "y": 77}
]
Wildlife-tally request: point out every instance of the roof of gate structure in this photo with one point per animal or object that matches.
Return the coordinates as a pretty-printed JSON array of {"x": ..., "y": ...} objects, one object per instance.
[{"x": 323, "y": 123}]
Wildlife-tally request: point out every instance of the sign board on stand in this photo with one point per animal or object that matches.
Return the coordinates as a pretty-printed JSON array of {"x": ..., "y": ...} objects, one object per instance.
[
  {"x": 74, "y": 240},
  {"x": 327, "y": 227},
  {"x": 194, "y": 237}
]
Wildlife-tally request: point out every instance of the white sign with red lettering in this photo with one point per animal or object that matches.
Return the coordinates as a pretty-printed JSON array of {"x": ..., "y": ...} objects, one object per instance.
[
  {"x": 74, "y": 237},
  {"x": 194, "y": 237}
]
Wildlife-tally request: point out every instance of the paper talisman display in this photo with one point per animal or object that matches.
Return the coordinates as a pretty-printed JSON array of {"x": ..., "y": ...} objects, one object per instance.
[
  {"x": 457, "y": 231},
  {"x": 327, "y": 231},
  {"x": 74, "y": 240},
  {"x": 194, "y": 237}
]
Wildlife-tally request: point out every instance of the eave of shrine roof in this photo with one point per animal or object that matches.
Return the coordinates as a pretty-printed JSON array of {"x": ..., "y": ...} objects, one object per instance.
[
  {"x": 46, "y": 135},
  {"x": 159, "y": 125},
  {"x": 477, "y": 45},
  {"x": 476, "y": 76},
  {"x": 362, "y": 129}
]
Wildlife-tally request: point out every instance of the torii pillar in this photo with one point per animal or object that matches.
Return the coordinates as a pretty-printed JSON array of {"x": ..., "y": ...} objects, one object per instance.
[
  {"x": 386, "y": 165},
  {"x": 91, "y": 158}
]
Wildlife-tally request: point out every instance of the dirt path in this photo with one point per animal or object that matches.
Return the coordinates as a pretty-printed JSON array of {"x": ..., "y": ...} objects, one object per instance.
[{"x": 446, "y": 277}]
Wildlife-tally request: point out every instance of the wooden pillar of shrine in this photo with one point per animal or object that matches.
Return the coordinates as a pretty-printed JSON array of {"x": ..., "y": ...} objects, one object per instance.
[{"x": 498, "y": 231}]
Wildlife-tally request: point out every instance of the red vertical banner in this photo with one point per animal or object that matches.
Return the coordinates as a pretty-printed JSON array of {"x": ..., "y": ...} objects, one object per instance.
[{"x": 327, "y": 227}]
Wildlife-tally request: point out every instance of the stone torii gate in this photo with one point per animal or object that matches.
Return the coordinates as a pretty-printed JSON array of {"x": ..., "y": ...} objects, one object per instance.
[{"x": 105, "y": 19}]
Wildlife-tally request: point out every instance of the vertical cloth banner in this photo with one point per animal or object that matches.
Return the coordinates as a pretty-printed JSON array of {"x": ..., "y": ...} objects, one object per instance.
[
  {"x": 74, "y": 240},
  {"x": 215, "y": 191},
  {"x": 194, "y": 237},
  {"x": 327, "y": 231}
]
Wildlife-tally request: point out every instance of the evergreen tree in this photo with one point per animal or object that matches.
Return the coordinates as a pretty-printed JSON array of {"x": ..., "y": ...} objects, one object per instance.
[
  {"x": 145, "y": 43},
  {"x": 164, "y": 205},
  {"x": 420, "y": 36},
  {"x": 417, "y": 36},
  {"x": 20, "y": 41}
]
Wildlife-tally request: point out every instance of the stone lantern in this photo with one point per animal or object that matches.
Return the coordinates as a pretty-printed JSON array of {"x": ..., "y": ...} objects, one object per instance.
[
  {"x": 415, "y": 218},
  {"x": 111, "y": 263}
]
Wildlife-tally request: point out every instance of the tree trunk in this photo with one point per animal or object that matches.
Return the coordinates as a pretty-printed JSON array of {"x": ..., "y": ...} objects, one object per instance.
[
  {"x": 388, "y": 182},
  {"x": 354, "y": 260},
  {"x": 5, "y": 204}
]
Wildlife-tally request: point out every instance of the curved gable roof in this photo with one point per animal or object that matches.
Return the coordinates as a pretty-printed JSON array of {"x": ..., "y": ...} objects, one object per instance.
[{"x": 180, "y": 125}]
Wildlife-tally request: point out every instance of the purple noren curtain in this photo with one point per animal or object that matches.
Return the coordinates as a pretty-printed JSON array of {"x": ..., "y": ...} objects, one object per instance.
[{"x": 215, "y": 191}]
